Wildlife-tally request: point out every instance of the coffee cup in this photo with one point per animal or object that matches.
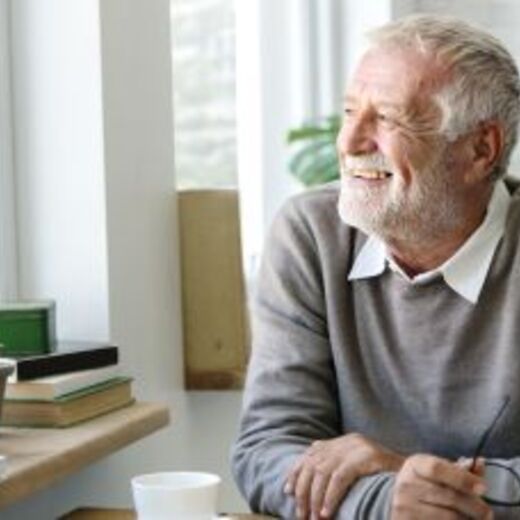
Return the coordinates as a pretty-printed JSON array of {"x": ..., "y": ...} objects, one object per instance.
[{"x": 176, "y": 495}]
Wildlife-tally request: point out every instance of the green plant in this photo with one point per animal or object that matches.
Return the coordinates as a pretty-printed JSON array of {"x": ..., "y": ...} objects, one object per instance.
[{"x": 315, "y": 161}]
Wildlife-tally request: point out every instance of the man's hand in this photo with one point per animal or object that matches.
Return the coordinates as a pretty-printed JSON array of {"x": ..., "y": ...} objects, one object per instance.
[
  {"x": 429, "y": 487},
  {"x": 321, "y": 477}
]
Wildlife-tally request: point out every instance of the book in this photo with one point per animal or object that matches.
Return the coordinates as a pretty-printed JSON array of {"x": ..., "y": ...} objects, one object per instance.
[
  {"x": 70, "y": 409},
  {"x": 27, "y": 327},
  {"x": 51, "y": 387},
  {"x": 69, "y": 358}
]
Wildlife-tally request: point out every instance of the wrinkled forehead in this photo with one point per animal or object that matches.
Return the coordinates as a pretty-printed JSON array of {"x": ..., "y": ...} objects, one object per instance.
[{"x": 398, "y": 73}]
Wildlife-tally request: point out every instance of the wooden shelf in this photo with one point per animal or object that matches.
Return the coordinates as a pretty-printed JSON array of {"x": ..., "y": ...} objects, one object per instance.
[{"x": 38, "y": 458}]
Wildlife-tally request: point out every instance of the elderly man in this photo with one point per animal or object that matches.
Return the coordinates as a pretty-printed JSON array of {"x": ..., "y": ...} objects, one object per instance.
[{"x": 387, "y": 330}]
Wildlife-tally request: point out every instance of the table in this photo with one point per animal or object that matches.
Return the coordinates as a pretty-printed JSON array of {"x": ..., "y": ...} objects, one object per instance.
[
  {"x": 88, "y": 513},
  {"x": 39, "y": 457}
]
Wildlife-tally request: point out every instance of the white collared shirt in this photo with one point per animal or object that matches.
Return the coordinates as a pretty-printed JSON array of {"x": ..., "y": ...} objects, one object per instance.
[{"x": 465, "y": 271}]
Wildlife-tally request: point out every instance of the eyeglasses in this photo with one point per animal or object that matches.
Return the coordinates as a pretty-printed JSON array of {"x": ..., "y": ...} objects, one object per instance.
[{"x": 497, "y": 466}]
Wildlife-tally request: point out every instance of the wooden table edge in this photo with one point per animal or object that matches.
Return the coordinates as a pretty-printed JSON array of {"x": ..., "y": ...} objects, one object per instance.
[{"x": 93, "y": 513}]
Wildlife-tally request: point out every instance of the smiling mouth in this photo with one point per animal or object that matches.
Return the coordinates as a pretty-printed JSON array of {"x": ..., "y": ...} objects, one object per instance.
[{"x": 376, "y": 175}]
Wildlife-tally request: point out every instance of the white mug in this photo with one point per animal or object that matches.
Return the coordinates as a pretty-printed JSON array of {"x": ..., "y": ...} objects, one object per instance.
[{"x": 176, "y": 495}]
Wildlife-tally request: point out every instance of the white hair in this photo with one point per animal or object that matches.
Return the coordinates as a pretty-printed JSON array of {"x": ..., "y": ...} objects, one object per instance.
[{"x": 484, "y": 84}]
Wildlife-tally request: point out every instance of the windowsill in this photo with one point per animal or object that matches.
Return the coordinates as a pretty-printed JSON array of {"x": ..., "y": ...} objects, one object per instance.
[{"x": 37, "y": 458}]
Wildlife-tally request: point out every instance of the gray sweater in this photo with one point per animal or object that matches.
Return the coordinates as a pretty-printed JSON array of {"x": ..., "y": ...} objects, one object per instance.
[{"x": 415, "y": 367}]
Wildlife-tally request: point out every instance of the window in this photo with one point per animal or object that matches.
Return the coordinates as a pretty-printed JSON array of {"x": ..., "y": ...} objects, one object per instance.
[{"x": 204, "y": 93}]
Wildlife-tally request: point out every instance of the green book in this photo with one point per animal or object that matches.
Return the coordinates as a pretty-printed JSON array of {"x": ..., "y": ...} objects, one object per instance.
[{"x": 27, "y": 327}]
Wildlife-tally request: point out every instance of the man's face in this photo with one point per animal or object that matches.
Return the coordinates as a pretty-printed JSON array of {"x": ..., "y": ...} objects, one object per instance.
[{"x": 400, "y": 177}]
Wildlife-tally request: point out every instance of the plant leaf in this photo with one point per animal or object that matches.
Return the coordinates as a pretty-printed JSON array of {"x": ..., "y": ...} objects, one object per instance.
[
  {"x": 315, "y": 161},
  {"x": 309, "y": 153},
  {"x": 309, "y": 132}
]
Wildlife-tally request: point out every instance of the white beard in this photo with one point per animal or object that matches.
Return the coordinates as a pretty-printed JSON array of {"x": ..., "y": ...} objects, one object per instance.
[{"x": 426, "y": 210}]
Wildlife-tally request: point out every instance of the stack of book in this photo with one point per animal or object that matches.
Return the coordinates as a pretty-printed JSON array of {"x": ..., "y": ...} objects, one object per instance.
[{"x": 65, "y": 387}]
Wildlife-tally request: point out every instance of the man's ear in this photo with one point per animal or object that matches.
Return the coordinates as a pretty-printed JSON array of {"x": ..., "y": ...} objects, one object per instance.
[{"x": 487, "y": 144}]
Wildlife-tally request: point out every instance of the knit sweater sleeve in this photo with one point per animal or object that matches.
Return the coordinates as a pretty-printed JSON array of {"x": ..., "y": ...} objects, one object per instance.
[{"x": 291, "y": 398}]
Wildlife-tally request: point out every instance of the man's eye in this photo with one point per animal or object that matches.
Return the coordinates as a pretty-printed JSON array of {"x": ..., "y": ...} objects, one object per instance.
[
  {"x": 348, "y": 111},
  {"x": 388, "y": 120}
]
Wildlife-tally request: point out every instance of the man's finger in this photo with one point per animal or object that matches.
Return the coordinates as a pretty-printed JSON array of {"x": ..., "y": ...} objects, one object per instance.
[
  {"x": 437, "y": 470},
  {"x": 470, "y": 506},
  {"x": 302, "y": 490},
  {"x": 338, "y": 485},
  {"x": 290, "y": 483},
  {"x": 318, "y": 489}
]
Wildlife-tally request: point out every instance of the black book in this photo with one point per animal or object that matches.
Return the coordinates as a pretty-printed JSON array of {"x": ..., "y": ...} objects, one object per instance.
[{"x": 70, "y": 357}]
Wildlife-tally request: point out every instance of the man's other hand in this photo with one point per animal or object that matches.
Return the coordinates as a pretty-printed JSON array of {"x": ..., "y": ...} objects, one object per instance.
[
  {"x": 429, "y": 487},
  {"x": 322, "y": 476}
]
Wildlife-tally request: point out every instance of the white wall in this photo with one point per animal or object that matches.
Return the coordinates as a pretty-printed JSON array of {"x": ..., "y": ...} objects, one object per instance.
[
  {"x": 8, "y": 247},
  {"x": 59, "y": 160},
  {"x": 94, "y": 159}
]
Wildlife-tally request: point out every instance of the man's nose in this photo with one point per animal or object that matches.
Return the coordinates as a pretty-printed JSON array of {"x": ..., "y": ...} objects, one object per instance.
[{"x": 356, "y": 138}]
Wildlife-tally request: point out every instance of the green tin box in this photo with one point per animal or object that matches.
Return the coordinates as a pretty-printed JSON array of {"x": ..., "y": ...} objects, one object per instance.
[{"x": 27, "y": 328}]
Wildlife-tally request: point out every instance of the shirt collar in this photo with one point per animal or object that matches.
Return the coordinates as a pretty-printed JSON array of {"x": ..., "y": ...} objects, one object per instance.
[{"x": 465, "y": 272}]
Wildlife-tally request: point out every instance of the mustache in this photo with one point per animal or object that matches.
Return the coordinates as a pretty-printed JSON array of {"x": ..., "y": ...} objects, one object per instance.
[{"x": 374, "y": 161}]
